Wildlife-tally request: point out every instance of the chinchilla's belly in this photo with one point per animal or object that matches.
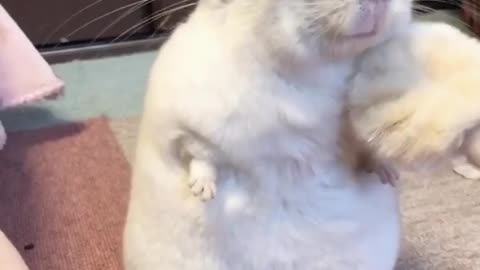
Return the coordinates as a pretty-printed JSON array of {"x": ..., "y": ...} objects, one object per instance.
[
  {"x": 266, "y": 226},
  {"x": 304, "y": 226}
]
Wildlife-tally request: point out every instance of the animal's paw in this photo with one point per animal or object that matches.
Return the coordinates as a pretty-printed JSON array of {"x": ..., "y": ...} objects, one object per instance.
[
  {"x": 202, "y": 179},
  {"x": 402, "y": 142},
  {"x": 408, "y": 130},
  {"x": 387, "y": 172},
  {"x": 462, "y": 167}
]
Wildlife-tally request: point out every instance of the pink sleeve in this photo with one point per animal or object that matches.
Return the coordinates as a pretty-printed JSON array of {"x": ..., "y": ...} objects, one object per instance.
[{"x": 24, "y": 75}]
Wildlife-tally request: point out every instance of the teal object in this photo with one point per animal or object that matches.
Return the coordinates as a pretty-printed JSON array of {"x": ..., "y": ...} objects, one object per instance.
[{"x": 113, "y": 87}]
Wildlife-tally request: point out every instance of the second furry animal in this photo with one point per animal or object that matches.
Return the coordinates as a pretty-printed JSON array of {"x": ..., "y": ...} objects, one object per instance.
[
  {"x": 246, "y": 100},
  {"x": 416, "y": 98}
]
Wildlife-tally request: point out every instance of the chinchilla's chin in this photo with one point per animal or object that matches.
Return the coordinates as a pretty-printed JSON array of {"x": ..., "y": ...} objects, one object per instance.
[
  {"x": 351, "y": 38},
  {"x": 341, "y": 48},
  {"x": 356, "y": 45}
]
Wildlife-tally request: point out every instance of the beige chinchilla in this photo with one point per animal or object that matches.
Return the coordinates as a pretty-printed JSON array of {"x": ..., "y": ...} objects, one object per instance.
[{"x": 238, "y": 164}]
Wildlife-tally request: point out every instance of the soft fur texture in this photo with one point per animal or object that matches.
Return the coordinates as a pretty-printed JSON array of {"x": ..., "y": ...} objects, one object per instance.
[
  {"x": 244, "y": 108},
  {"x": 414, "y": 98}
]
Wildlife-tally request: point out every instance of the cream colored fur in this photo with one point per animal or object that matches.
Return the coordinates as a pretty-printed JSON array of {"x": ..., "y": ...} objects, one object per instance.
[
  {"x": 243, "y": 110},
  {"x": 416, "y": 96}
]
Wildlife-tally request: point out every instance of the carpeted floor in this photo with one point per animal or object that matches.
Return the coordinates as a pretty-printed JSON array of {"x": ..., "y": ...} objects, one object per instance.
[
  {"x": 64, "y": 196},
  {"x": 64, "y": 188}
]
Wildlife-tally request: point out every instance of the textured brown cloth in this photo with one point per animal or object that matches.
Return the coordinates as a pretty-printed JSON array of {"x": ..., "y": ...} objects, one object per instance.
[{"x": 63, "y": 196}]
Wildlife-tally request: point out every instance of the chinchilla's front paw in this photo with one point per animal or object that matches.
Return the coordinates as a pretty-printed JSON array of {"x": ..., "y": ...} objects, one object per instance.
[
  {"x": 202, "y": 179},
  {"x": 387, "y": 172},
  {"x": 463, "y": 167}
]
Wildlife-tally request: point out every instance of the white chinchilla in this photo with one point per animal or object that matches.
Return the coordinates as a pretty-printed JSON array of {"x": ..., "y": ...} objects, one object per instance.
[{"x": 243, "y": 110}]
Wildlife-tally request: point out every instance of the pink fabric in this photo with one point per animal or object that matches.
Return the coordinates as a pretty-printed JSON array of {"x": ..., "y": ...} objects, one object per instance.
[
  {"x": 24, "y": 77},
  {"x": 24, "y": 74}
]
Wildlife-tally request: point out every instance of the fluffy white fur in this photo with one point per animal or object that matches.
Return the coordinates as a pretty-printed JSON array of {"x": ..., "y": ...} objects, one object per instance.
[
  {"x": 244, "y": 104},
  {"x": 425, "y": 96}
]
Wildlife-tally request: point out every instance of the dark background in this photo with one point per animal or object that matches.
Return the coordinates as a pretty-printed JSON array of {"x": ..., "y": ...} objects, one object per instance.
[
  {"x": 69, "y": 29},
  {"x": 49, "y": 23}
]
